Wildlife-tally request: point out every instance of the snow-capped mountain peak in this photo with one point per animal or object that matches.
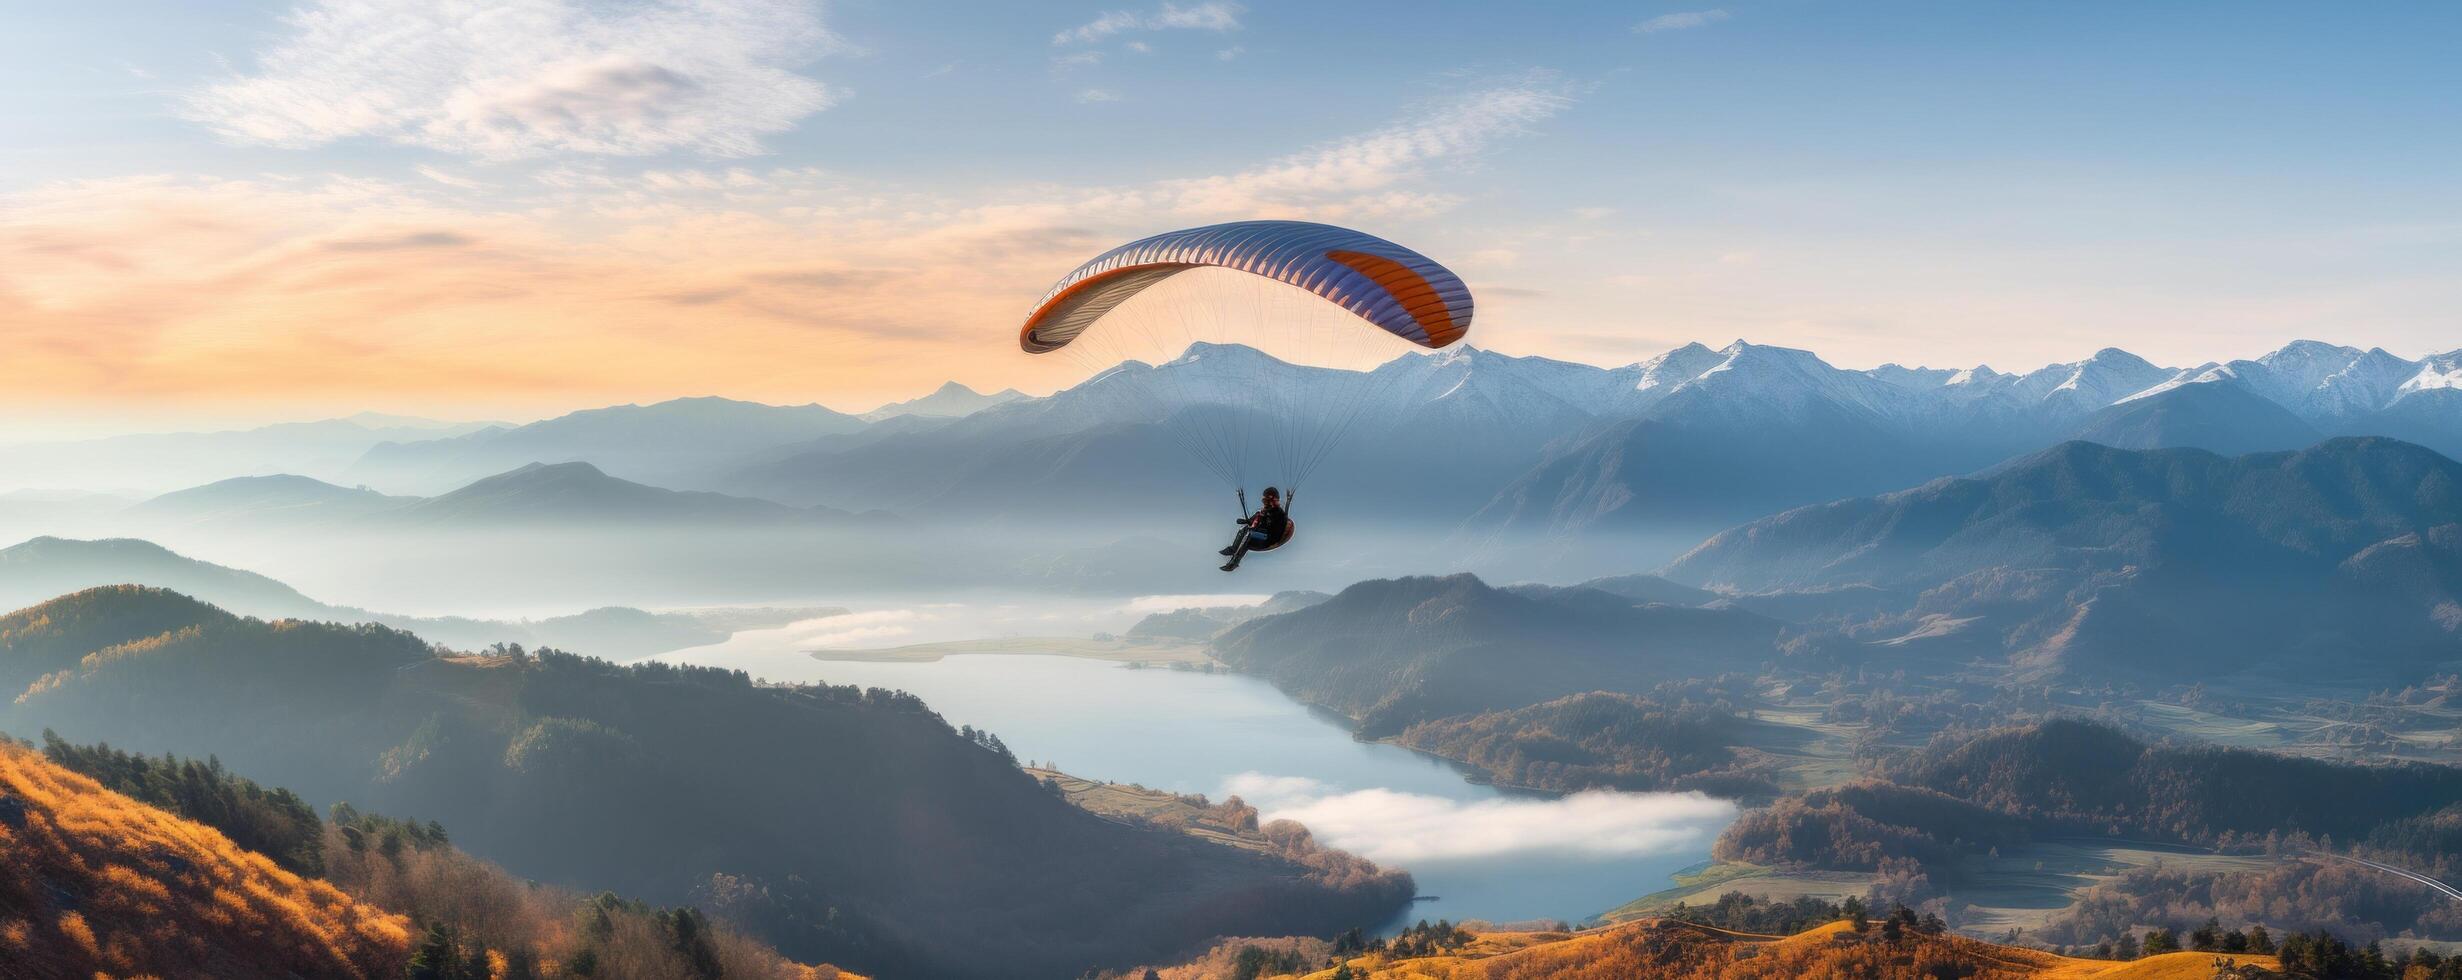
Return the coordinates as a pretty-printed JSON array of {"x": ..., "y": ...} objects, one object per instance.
[{"x": 2436, "y": 371}]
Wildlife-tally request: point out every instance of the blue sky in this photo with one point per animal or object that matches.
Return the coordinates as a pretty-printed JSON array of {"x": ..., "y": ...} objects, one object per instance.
[{"x": 280, "y": 206}]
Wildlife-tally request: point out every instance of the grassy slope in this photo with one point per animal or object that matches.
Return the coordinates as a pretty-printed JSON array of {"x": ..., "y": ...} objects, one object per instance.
[
  {"x": 94, "y": 882},
  {"x": 1660, "y": 948}
]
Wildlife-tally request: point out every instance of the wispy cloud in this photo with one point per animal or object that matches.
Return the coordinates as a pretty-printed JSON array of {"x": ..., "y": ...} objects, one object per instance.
[
  {"x": 1360, "y": 174},
  {"x": 1098, "y": 95},
  {"x": 526, "y": 79},
  {"x": 448, "y": 179},
  {"x": 1231, "y": 53},
  {"x": 1407, "y": 828},
  {"x": 675, "y": 278},
  {"x": 1214, "y": 16},
  {"x": 1680, "y": 21}
]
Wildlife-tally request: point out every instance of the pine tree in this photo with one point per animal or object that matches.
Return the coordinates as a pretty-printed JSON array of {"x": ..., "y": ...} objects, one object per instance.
[{"x": 438, "y": 956}]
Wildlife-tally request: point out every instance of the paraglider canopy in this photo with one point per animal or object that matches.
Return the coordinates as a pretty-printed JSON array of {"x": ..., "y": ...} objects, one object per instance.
[
  {"x": 1398, "y": 290},
  {"x": 1254, "y": 357}
]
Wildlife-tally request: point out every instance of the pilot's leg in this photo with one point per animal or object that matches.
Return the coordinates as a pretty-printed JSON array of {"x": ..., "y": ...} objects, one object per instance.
[{"x": 1239, "y": 549}]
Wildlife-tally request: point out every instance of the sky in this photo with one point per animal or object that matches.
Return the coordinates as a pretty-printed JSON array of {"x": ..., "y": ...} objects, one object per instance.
[{"x": 244, "y": 211}]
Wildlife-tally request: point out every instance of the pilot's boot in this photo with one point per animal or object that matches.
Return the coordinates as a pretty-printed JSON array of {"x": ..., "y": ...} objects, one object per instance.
[{"x": 1236, "y": 551}]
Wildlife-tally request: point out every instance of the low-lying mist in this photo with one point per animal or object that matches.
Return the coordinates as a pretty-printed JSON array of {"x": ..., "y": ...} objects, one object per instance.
[
  {"x": 514, "y": 570},
  {"x": 1407, "y": 829}
]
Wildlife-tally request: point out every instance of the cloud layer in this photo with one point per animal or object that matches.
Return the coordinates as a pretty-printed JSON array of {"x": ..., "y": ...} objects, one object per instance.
[
  {"x": 530, "y": 77},
  {"x": 1409, "y": 828}
]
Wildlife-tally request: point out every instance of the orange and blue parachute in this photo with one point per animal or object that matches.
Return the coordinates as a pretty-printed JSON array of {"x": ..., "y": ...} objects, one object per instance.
[
  {"x": 1258, "y": 344},
  {"x": 1401, "y": 291}
]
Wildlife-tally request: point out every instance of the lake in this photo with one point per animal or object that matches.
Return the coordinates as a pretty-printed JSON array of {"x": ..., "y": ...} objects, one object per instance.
[{"x": 1483, "y": 852}]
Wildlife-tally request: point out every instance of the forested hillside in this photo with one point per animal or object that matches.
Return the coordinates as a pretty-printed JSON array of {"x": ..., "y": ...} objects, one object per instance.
[
  {"x": 845, "y": 826},
  {"x": 94, "y": 883},
  {"x": 1931, "y": 825},
  {"x": 1392, "y": 653},
  {"x": 430, "y": 909},
  {"x": 1601, "y": 740}
]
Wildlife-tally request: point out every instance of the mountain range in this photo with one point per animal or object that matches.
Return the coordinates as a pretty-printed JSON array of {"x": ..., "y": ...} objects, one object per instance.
[
  {"x": 532, "y": 495},
  {"x": 1696, "y": 436},
  {"x": 2338, "y": 563},
  {"x": 153, "y": 462},
  {"x": 1469, "y": 452}
]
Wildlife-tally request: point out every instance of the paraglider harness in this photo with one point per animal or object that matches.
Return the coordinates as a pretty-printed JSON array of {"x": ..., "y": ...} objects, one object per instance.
[{"x": 1288, "y": 528}]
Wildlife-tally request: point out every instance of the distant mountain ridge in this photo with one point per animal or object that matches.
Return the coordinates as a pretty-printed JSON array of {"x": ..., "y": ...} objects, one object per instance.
[
  {"x": 1688, "y": 441},
  {"x": 280, "y": 497},
  {"x": 563, "y": 493},
  {"x": 2338, "y": 561},
  {"x": 40, "y": 568},
  {"x": 1636, "y": 460},
  {"x": 950, "y": 400},
  {"x": 533, "y": 495},
  {"x": 672, "y": 443},
  {"x": 153, "y": 462}
]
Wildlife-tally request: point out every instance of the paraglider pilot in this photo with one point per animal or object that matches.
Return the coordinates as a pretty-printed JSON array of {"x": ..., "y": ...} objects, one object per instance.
[{"x": 1262, "y": 529}]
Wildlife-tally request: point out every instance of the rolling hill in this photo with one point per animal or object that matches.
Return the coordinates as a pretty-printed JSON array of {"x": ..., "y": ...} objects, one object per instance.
[
  {"x": 1389, "y": 653},
  {"x": 842, "y": 825},
  {"x": 93, "y": 883},
  {"x": 168, "y": 850},
  {"x": 39, "y": 568},
  {"x": 579, "y": 495},
  {"x": 280, "y": 499},
  {"x": 34, "y": 570}
]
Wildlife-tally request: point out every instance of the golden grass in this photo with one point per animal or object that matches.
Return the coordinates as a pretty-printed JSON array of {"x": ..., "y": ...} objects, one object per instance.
[
  {"x": 1661, "y": 948},
  {"x": 92, "y": 882}
]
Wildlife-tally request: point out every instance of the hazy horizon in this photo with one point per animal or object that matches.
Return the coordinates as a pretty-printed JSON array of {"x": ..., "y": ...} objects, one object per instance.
[{"x": 228, "y": 215}]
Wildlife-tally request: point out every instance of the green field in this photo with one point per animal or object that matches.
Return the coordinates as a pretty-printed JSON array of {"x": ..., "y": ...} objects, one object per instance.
[
  {"x": 1804, "y": 752},
  {"x": 2024, "y": 887},
  {"x": 1138, "y": 804},
  {"x": 1701, "y": 885}
]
